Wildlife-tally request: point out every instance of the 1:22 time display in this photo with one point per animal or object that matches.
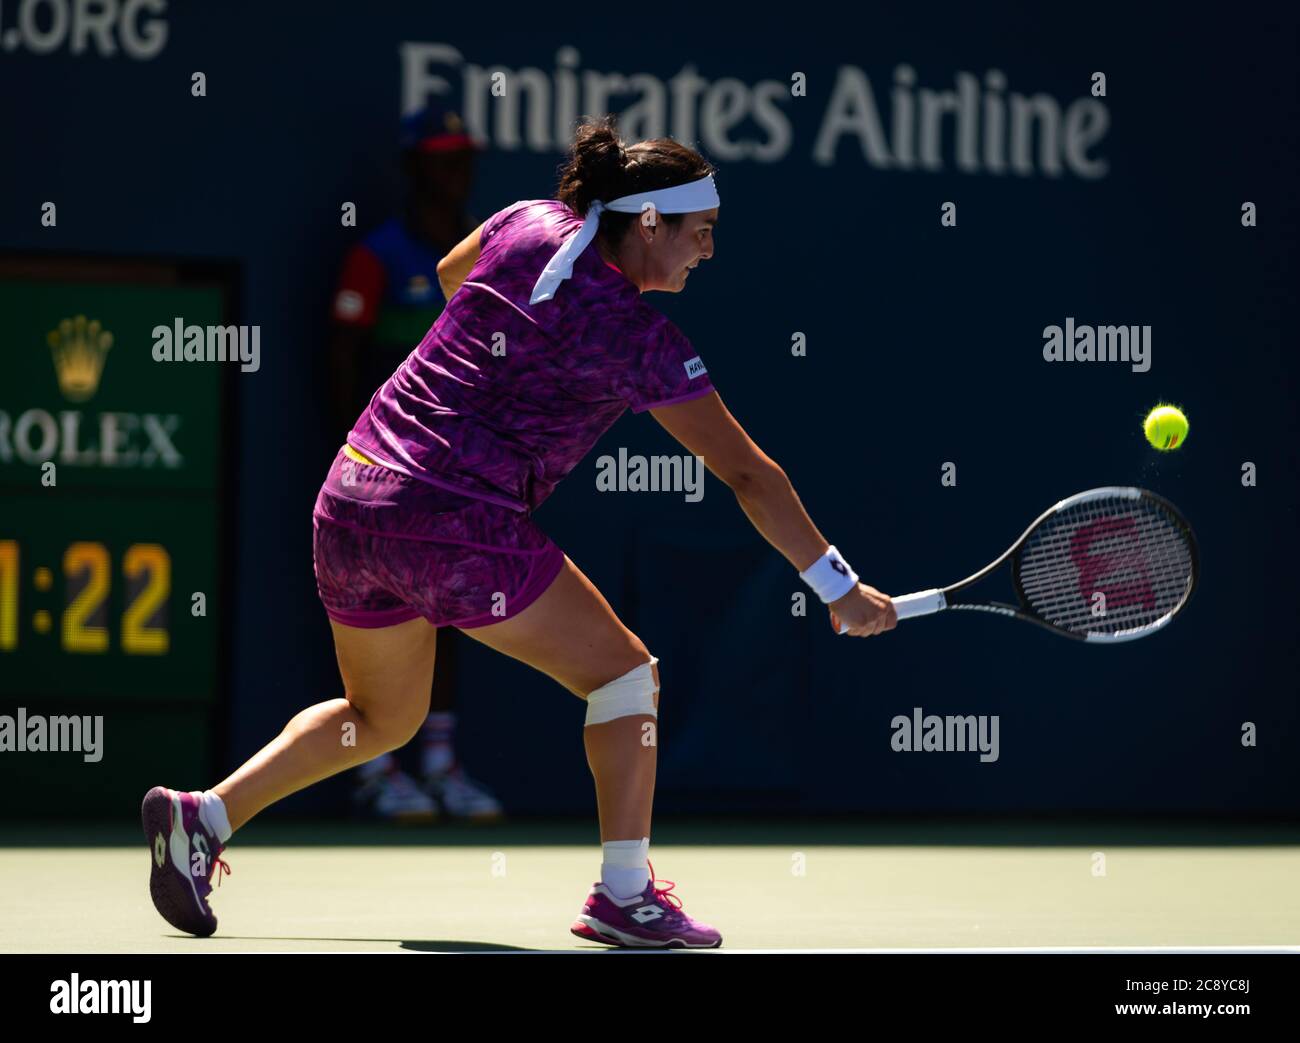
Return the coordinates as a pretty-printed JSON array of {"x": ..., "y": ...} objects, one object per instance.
[{"x": 87, "y": 575}]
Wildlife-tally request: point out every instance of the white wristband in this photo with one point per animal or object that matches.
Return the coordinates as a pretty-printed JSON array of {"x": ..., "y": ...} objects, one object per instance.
[{"x": 830, "y": 576}]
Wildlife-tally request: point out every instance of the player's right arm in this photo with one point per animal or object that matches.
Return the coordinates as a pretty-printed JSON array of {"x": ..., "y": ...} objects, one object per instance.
[
  {"x": 454, "y": 269},
  {"x": 706, "y": 428}
]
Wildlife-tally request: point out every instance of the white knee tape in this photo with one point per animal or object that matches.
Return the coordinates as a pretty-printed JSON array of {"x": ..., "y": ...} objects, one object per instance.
[{"x": 633, "y": 693}]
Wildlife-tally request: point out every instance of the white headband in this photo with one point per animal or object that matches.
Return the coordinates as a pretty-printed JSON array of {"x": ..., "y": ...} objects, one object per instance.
[{"x": 679, "y": 199}]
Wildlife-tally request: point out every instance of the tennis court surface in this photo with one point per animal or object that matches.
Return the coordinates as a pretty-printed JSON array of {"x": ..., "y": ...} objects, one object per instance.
[{"x": 328, "y": 887}]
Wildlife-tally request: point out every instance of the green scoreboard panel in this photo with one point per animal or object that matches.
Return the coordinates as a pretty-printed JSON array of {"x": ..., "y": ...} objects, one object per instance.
[{"x": 114, "y": 534}]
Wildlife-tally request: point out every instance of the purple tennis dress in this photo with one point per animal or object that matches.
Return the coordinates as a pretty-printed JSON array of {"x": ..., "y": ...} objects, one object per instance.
[{"x": 500, "y": 400}]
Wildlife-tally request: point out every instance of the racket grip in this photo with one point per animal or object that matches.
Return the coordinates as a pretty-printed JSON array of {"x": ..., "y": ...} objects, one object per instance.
[{"x": 922, "y": 603}]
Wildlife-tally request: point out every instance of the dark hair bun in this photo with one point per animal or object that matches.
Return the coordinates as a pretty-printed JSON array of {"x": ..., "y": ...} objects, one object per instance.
[
  {"x": 595, "y": 167},
  {"x": 600, "y": 166}
]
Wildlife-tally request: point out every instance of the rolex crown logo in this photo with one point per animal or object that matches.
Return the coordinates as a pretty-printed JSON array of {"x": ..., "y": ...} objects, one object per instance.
[{"x": 79, "y": 348}]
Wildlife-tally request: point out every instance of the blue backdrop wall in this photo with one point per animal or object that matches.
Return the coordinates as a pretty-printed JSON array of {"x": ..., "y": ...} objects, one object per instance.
[{"x": 924, "y": 346}]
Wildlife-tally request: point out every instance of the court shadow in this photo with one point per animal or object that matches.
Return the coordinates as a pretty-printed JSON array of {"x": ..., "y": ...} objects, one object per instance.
[{"x": 445, "y": 946}]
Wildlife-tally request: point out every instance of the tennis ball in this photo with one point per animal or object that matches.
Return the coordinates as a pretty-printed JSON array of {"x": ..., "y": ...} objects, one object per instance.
[{"x": 1166, "y": 427}]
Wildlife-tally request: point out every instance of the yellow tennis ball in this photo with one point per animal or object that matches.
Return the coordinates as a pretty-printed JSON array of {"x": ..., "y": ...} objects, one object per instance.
[{"x": 1166, "y": 427}]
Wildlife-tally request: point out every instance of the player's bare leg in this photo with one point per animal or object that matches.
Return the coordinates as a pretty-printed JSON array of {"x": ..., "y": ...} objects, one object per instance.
[
  {"x": 386, "y": 677},
  {"x": 572, "y": 635},
  {"x": 387, "y": 673}
]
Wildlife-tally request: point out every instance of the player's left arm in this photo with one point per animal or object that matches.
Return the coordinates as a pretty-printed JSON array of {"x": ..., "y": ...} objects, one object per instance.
[
  {"x": 706, "y": 428},
  {"x": 456, "y": 266}
]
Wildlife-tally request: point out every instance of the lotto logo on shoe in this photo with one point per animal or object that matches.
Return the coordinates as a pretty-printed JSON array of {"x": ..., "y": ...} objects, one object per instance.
[{"x": 647, "y": 913}]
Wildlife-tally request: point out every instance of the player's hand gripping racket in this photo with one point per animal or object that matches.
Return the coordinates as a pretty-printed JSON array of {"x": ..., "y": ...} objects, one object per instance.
[{"x": 1105, "y": 565}]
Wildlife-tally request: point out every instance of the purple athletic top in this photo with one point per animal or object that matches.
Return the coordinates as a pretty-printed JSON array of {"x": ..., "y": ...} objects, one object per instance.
[{"x": 502, "y": 399}]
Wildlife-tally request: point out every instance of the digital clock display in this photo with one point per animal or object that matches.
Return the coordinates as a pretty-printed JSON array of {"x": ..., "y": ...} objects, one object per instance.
[{"x": 112, "y": 508}]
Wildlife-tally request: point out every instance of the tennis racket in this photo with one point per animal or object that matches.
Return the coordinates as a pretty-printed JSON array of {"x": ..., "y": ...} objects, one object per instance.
[{"x": 1106, "y": 565}]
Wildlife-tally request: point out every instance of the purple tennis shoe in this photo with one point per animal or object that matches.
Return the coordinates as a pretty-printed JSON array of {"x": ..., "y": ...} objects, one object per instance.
[
  {"x": 185, "y": 855},
  {"x": 651, "y": 920}
]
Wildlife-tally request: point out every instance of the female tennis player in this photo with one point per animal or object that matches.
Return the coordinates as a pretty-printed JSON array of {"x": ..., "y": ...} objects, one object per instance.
[{"x": 424, "y": 520}]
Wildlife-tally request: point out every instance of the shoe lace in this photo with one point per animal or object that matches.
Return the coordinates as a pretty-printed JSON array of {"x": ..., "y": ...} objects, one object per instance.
[
  {"x": 219, "y": 869},
  {"x": 662, "y": 894}
]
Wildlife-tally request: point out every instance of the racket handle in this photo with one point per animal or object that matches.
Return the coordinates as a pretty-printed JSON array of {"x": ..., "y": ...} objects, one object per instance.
[{"x": 922, "y": 603}]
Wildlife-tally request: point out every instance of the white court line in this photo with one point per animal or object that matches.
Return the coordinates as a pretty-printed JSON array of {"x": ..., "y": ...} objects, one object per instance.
[
  {"x": 1010, "y": 950},
  {"x": 1206, "y": 950}
]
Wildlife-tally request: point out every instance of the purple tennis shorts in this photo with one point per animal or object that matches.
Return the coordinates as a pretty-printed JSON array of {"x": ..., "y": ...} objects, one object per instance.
[{"x": 388, "y": 548}]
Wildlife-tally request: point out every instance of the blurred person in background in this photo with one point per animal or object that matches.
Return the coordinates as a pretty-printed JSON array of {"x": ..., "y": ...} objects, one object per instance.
[{"x": 387, "y": 297}]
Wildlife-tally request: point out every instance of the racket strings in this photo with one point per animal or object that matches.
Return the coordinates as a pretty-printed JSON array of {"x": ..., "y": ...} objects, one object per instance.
[{"x": 1111, "y": 565}]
